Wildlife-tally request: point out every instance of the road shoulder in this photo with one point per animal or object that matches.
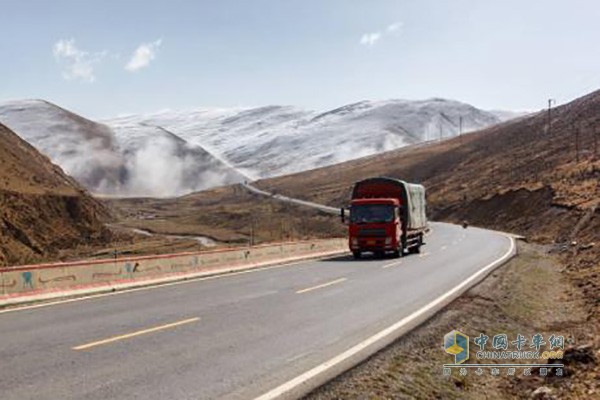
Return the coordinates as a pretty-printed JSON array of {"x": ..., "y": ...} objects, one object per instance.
[{"x": 526, "y": 295}]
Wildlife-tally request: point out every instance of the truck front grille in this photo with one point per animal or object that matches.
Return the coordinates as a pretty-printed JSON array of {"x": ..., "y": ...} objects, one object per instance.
[{"x": 369, "y": 232}]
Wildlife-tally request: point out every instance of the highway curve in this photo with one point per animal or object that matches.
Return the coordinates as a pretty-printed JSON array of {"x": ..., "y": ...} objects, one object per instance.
[{"x": 240, "y": 336}]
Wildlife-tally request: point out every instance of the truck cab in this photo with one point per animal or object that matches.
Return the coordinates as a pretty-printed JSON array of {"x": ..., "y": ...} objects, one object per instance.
[{"x": 375, "y": 225}]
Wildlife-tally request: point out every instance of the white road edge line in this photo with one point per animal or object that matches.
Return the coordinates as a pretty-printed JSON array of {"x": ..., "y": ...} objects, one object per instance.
[{"x": 299, "y": 380}]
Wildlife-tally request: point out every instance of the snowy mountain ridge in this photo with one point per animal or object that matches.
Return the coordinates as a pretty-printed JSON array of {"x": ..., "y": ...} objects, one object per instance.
[
  {"x": 275, "y": 140},
  {"x": 130, "y": 160},
  {"x": 173, "y": 152}
]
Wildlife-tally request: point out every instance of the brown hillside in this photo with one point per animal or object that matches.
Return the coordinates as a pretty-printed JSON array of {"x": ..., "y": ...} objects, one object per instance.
[
  {"x": 42, "y": 210},
  {"x": 505, "y": 177}
]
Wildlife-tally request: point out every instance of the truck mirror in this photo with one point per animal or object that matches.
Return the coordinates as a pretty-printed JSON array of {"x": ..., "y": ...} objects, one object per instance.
[{"x": 343, "y": 215}]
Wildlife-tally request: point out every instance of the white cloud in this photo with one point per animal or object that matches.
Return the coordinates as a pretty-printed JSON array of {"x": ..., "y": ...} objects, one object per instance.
[
  {"x": 143, "y": 55},
  {"x": 369, "y": 39},
  {"x": 77, "y": 64},
  {"x": 394, "y": 27}
]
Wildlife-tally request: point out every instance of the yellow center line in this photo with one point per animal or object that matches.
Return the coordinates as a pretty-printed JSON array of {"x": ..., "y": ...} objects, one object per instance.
[
  {"x": 321, "y": 286},
  {"x": 134, "y": 334},
  {"x": 392, "y": 264}
]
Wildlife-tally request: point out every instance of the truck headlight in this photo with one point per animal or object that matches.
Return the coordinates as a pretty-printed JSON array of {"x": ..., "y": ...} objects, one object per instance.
[
  {"x": 388, "y": 240},
  {"x": 354, "y": 242}
]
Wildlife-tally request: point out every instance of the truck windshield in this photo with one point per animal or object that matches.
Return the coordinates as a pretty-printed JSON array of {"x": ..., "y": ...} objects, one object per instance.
[{"x": 366, "y": 213}]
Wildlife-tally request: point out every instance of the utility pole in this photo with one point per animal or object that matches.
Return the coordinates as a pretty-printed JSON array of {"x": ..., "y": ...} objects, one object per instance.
[
  {"x": 441, "y": 131},
  {"x": 550, "y": 102},
  {"x": 252, "y": 231}
]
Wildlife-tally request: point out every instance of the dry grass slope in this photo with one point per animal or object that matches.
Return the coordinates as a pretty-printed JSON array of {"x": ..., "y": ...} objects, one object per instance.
[
  {"x": 42, "y": 210},
  {"x": 230, "y": 215}
]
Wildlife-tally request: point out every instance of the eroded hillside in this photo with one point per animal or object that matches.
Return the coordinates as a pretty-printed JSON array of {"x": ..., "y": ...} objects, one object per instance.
[{"x": 42, "y": 210}]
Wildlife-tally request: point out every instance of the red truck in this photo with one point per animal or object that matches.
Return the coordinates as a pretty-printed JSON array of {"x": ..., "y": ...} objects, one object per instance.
[{"x": 386, "y": 215}]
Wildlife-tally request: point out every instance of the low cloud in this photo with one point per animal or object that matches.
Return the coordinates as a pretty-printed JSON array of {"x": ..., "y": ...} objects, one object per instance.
[
  {"x": 77, "y": 64},
  {"x": 143, "y": 55},
  {"x": 396, "y": 26},
  {"x": 371, "y": 38}
]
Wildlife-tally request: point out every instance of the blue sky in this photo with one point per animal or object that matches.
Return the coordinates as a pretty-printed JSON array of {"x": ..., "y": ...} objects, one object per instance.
[{"x": 316, "y": 54}]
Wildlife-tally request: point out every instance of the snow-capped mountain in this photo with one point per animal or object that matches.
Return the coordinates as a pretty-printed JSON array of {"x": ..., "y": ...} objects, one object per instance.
[
  {"x": 129, "y": 160},
  {"x": 84, "y": 149},
  {"x": 176, "y": 152},
  {"x": 162, "y": 164},
  {"x": 276, "y": 140}
]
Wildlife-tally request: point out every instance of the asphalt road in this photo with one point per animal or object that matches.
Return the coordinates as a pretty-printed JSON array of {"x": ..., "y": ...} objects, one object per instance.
[{"x": 236, "y": 336}]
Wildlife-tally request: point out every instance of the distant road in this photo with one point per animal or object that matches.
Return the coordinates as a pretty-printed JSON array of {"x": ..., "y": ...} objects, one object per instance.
[
  {"x": 327, "y": 209},
  {"x": 268, "y": 332}
]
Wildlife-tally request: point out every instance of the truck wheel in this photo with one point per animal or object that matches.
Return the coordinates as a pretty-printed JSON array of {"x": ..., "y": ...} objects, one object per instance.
[
  {"x": 417, "y": 248},
  {"x": 397, "y": 253},
  {"x": 402, "y": 248},
  {"x": 356, "y": 255}
]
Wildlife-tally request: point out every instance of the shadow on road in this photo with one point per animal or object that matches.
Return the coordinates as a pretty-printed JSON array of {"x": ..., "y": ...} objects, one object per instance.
[{"x": 363, "y": 259}]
